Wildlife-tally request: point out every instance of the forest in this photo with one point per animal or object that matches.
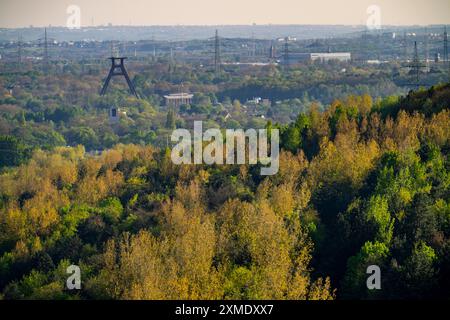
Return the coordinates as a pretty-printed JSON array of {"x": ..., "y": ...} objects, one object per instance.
[
  {"x": 362, "y": 181},
  {"x": 60, "y": 106}
]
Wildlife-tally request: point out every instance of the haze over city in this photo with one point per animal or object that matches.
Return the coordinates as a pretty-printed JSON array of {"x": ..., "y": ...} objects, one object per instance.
[{"x": 24, "y": 13}]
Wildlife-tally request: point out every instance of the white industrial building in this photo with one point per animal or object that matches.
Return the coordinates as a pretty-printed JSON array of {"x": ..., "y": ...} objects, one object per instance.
[
  {"x": 178, "y": 99},
  {"x": 294, "y": 58},
  {"x": 340, "y": 56}
]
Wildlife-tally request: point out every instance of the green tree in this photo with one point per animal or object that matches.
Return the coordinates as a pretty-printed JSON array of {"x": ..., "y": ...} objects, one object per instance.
[{"x": 12, "y": 151}]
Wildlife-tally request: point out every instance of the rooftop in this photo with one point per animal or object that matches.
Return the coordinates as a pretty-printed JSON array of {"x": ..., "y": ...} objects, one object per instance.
[{"x": 179, "y": 95}]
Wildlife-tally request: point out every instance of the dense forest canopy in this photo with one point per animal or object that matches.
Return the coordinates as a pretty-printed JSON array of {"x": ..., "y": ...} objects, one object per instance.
[{"x": 362, "y": 181}]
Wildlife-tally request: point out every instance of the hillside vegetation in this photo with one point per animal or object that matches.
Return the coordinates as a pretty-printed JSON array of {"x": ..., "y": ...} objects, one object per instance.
[{"x": 363, "y": 182}]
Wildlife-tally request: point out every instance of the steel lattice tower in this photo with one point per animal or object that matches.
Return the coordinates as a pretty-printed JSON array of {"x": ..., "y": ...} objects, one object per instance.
[
  {"x": 405, "y": 46},
  {"x": 272, "y": 53},
  {"x": 445, "y": 45},
  {"x": 217, "y": 62},
  {"x": 45, "y": 56},
  {"x": 416, "y": 65},
  {"x": 416, "y": 62},
  {"x": 426, "y": 49},
  {"x": 19, "y": 52},
  {"x": 253, "y": 52},
  {"x": 446, "y": 61},
  {"x": 45, "y": 49},
  {"x": 286, "y": 51}
]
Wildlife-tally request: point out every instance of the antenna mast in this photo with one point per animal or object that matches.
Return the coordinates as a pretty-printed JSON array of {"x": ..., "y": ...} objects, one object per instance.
[
  {"x": 19, "y": 52},
  {"x": 405, "y": 46},
  {"x": 446, "y": 61},
  {"x": 427, "y": 53},
  {"x": 272, "y": 51},
  {"x": 253, "y": 52},
  {"x": 286, "y": 51},
  {"x": 416, "y": 65},
  {"x": 445, "y": 45},
  {"x": 45, "y": 50},
  {"x": 217, "y": 62}
]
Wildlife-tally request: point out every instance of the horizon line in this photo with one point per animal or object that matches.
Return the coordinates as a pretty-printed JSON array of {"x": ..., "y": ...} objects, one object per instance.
[{"x": 225, "y": 25}]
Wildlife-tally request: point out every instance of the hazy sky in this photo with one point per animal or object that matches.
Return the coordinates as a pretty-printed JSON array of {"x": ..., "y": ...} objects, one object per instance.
[{"x": 21, "y": 13}]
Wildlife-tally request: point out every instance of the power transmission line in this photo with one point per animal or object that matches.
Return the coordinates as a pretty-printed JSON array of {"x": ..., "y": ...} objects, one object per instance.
[
  {"x": 19, "y": 52},
  {"x": 45, "y": 50},
  {"x": 426, "y": 49},
  {"x": 272, "y": 53},
  {"x": 405, "y": 46},
  {"x": 217, "y": 61},
  {"x": 46, "y": 54},
  {"x": 445, "y": 45},
  {"x": 445, "y": 58},
  {"x": 415, "y": 66},
  {"x": 286, "y": 51}
]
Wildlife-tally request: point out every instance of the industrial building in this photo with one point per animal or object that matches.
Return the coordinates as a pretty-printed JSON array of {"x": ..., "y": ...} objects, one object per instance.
[
  {"x": 340, "y": 56},
  {"x": 293, "y": 58},
  {"x": 178, "y": 99}
]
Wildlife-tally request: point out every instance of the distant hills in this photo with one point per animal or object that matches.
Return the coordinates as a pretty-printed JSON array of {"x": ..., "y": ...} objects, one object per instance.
[{"x": 177, "y": 33}]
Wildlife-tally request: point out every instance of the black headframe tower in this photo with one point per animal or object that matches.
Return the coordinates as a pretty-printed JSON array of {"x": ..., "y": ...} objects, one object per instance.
[{"x": 118, "y": 69}]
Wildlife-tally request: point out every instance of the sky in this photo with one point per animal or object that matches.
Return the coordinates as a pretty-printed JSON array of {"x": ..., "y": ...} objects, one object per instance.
[{"x": 23, "y": 13}]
